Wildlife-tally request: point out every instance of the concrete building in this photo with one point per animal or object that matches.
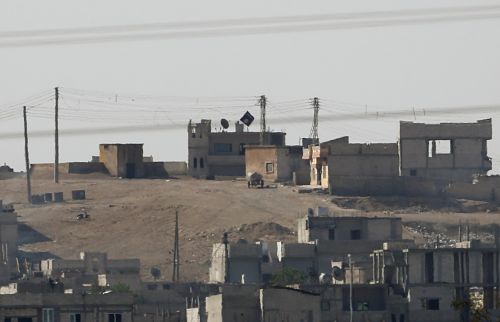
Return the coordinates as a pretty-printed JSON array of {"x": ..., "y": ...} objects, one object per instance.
[
  {"x": 445, "y": 151},
  {"x": 322, "y": 226},
  {"x": 435, "y": 281},
  {"x": 363, "y": 169},
  {"x": 277, "y": 163},
  {"x": 317, "y": 156},
  {"x": 235, "y": 303},
  {"x": 54, "y": 307},
  {"x": 122, "y": 160},
  {"x": 8, "y": 242},
  {"x": 222, "y": 153},
  {"x": 93, "y": 268},
  {"x": 236, "y": 263}
]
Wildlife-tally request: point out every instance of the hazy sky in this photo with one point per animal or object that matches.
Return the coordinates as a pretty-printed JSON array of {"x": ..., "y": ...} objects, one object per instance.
[{"x": 398, "y": 67}]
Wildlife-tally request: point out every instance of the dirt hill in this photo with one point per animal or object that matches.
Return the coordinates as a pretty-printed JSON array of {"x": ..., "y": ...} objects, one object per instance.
[{"x": 135, "y": 218}]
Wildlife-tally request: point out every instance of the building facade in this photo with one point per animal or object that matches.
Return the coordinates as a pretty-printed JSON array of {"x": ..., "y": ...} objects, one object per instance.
[{"x": 222, "y": 153}]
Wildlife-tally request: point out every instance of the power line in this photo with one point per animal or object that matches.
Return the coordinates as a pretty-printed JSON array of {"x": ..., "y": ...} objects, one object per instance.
[
  {"x": 232, "y": 28},
  {"x": 429, "y": 112},
  {"x": 245, "y": 21}
]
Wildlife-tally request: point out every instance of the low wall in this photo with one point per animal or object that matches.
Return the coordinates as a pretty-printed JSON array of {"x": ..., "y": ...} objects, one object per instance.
[
  {"x": 164, "y": 169},
  {"x": 43, "y": 170},
  {"x": 11, "y": 175},
  {"x": 364, "y": 186},
  {"x": 478, "y": 191},
  {"x": 485, "y": 189},
  {"x": 87, "y": 167}
]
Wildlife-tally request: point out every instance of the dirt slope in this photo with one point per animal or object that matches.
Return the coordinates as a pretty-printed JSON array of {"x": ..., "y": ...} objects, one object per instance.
[{"x": 135, "y": 218}]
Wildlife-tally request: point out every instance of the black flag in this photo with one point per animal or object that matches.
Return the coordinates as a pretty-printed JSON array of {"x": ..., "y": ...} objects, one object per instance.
[{"x": 247, "y": 118}]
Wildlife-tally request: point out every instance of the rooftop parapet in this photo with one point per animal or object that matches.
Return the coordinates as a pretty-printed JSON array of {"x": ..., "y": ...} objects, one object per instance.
[{"x": 481, "y": 129}]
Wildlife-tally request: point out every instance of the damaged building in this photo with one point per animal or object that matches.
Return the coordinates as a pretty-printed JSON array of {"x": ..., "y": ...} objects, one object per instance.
[
  {"x": 222, "y": 153},
  {"x": 445, "y": 151}
]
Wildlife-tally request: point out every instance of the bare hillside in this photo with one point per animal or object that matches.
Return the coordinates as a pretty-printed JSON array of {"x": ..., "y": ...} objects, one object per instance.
[{"x": 135, "y": 218}]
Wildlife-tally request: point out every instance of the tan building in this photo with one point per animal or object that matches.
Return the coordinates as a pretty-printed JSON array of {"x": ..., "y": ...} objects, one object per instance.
[
  {"x": 277, "y": 163},
  {"x": 445, "y": 151},
  {"x": 317, "y": 155},
  {"x": 222, "y": 153},
  {"x": 122, "y": 160}
]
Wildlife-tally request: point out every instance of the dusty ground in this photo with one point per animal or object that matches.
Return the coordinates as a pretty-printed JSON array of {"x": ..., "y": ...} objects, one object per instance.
[{"x": 135, "y": 218}]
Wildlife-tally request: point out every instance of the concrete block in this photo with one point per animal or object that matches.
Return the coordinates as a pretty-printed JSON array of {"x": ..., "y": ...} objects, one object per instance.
[
  {"x": 48, "y": 197},
  {"x": 58, "y": 197},
  {"x": 78, "y": 194}
]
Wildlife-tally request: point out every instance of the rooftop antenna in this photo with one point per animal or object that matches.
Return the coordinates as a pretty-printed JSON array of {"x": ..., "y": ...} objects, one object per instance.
[
  {"x": 262, "y": 102},
  {"x": 175, "y": 273},
  {"x": 314, "y": 128}
]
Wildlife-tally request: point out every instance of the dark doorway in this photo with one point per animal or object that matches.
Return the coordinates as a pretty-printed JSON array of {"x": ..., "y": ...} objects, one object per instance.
[
  {"x": 130, "y": 170},
  {"x": 24, "y": 319}
]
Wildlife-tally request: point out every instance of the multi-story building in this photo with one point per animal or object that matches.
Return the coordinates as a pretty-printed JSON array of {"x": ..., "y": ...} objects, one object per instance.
[{"x": 222, "y": 153}]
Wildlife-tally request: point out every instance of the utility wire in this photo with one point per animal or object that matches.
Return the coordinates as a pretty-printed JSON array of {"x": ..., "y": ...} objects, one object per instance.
[{"x": 65, "y": 37}]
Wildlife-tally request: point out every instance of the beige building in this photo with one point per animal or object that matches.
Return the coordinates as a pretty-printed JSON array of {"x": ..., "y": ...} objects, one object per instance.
[
  {"x": 277, "y": 163},
  {"x": 445, "y": 151},
  {"x": 222, "y": 153},
  {"x": 122, "y": 160},
  {"x": 317, "y": 155}
]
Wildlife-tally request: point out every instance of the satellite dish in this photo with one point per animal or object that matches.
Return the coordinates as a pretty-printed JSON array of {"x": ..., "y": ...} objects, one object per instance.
[{"x": 224, "y": 123}]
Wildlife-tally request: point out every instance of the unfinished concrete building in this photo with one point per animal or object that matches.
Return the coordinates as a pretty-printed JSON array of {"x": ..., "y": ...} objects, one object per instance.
[
  {"x": 93, "y": 268},
  {"x": 8, "y": 242},
  {"x": 322, "y": 240},
  {"x": 222, "y": 153},
  {"x": 277, "y": 163},
  {"x": 440, "y": 284},
  {"x": 321, "y": 225},
  {"x": 445, "y": 151}
]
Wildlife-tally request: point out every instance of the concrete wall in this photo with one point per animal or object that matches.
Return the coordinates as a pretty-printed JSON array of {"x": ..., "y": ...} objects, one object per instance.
[
  {"x": 244, "y": 260},
  {"x": 237, "y": 303},
  {"x": 445, "y": 294},
  {"x": 164, "y": 169},
  {"x": 289, "y": 305},
  {"x": 46, "y": 170},
  {"x": 363, "y": 169}
]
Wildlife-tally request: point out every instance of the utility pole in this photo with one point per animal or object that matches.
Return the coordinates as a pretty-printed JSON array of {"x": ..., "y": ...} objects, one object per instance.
[
  {"x": 26, "y": 155},
  {"x": 350, "y": 287},
  {"x": 225, "y": 241},
  {"x": 175, "y": 273},
  {"x": 56, "y": 137},
  {"x": 262, "y": 102},
  {"x": 314, "y": 128}
]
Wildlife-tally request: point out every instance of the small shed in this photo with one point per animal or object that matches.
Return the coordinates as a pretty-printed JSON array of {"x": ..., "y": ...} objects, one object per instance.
[{"x": 123, "y": 160}]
